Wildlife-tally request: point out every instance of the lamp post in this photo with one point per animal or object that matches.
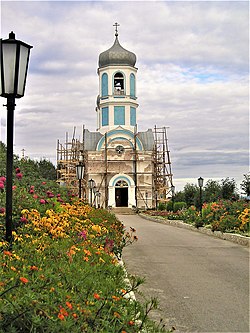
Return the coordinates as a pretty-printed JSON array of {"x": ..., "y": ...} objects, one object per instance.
[
  {"x": 14, "y": 59},
  {"x": 200, "y": 183},
  {"x": 80, "y": 174},
  {"x": 91, "y": 183},
  {"x": 146, "y": 195},
  {"x": 173, "y": 193}
]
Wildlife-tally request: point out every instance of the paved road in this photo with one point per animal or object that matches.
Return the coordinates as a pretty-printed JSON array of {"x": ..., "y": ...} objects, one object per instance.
[{"x": 202, "y": 282}]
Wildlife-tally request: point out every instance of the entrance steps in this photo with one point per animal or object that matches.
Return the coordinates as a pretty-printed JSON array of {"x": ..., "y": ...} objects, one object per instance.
[{"x": 123, "y": 211}]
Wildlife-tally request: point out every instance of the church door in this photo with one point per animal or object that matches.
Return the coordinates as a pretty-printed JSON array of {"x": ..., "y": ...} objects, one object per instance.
[{"x": 121, "y": 194}]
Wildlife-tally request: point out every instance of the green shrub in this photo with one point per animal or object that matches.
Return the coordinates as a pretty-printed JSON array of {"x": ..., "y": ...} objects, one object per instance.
[
  {"x": 161, "y": 206},
  {"x": 179, "y": 206}
]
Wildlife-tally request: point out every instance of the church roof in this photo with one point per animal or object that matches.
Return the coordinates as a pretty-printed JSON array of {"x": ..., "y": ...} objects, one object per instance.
[{"x": 117, "y": 55}]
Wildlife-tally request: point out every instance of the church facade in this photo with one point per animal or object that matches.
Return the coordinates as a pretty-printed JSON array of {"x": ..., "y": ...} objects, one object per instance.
[{"x": 118, "y": 160}]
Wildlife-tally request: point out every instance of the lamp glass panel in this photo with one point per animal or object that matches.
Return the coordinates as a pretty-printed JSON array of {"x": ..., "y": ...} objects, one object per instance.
[
  {"x": 79, "y": 171},
  {"x": 23, "y": 65},
  {"x": 9, "y": 63}
]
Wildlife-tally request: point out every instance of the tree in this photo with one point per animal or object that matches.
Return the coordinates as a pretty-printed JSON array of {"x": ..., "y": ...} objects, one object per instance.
[
  {"x": 191, "y": 194},
  {"x": 245, "y": 185},
  {"x": 212, "y": 191},
  {"x": 228, "y": 189}
]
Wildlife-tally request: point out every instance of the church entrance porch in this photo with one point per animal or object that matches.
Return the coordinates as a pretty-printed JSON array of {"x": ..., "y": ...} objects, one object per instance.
[
  {"x": 121, "y": 197},
  {"x": 121, "y": 191}
]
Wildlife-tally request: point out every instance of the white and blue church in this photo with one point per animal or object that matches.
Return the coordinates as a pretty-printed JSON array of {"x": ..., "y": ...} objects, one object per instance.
[{"x": 118, "y": 160}]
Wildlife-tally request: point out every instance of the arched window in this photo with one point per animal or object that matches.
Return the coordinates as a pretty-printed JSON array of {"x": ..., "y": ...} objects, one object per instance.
[
  {"x": 119, "y": 84},
  {"x": 121, "y": 183},
  {"x": 104, "y": 84},
  {"x": 132, "y": 85}
]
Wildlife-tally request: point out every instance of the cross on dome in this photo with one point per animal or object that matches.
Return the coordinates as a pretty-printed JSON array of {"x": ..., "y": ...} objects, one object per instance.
[{"x": 116, "y": 30}]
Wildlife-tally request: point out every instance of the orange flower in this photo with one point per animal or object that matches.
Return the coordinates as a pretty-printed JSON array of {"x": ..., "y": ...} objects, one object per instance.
[
  {"x": 117, "y": 315},
  {"x": 24, "y": 280},
  {"x": 115, "y": 298},
  {"x": 86, "y": 258},
  {"x": 96, "y": 296},
  {"x": 69, "y": 305},
  {"x": 61, "y": 316},
  {"x": 13, "y": 268},
  {"x": 74, "y": 315},
  {"x": 33, "y": 268},
  {"x": 131, "y": 323},
  {"x": 7, "y": 253}
]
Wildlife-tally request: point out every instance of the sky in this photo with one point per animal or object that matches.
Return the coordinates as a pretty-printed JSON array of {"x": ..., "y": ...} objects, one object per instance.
[{"x": 193, "y": 77}]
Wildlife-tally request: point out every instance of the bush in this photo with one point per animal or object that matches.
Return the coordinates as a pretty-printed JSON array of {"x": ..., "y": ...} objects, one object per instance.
[
  {"x": 161, "y": 206},
  {"x": 179, "y": 206}
]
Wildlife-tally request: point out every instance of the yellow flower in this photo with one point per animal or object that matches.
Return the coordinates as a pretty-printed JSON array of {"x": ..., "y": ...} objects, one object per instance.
[{"x": 96, "y": 228}]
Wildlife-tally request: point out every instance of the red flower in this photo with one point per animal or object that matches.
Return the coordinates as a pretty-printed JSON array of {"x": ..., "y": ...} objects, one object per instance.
[
  {"x": 24, "y": 280},
  {"x": 23, "y": 220},
  {"x": 96, "y": 296},
  {"x": 2, "y": 210},
  {"x": 18, "y": 170},
  {"x": 2, "y": 179},
  {"x": 19, "y": 175},
  {"x": 42, "y": 201},
  {"x": 1, "y": 185}
]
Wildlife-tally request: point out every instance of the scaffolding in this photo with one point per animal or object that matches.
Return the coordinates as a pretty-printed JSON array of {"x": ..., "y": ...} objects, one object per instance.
[
  {"x": 163, "y": 177},
  {"x": 68, "y": 155}
]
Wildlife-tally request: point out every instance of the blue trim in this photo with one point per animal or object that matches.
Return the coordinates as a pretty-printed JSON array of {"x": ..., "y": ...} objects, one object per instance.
[
  {"x": 121, "y": 178},
  {"x": 119, "y": 96},
  {"x": 105, "y": 116},
  {"x": 132, "y": 116},
  {"x": 104, "y": 84},
  {"x": 132, "y": 84},
  {"x": 122, "y": 138},
  {"x": 119, "y": 115},
  {"x": 120, "y": 131}
]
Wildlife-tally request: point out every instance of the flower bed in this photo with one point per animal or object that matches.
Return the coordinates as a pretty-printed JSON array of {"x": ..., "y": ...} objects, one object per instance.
[
  {"x": 224, "y": 216},
  {"x": 62, "y": 274}
]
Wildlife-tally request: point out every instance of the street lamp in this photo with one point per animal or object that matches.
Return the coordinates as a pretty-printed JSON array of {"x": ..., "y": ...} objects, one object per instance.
[
  {"x": 80, "y": 174},
  {"x": 146, "y": 195},
  {"x": 14, "y": 59},
  {"x": 173, "y": 193},
  {"x": 91, "y": 183},
  {"x": 200, "y": 183}
]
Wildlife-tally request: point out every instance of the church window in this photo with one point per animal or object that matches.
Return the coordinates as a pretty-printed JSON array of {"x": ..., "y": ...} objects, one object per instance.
[
  {"x": 119, "y": 149},
  {"x": 132, "y": 116},
  {"x": 132, "y": 85},
  {"x": 105, "y": 116},
  {"x": 104, "y": 84},
  {"x": 121, "y": 183},
  {"x": 119, "y": 84},
  {"x": 119, "y": 115}
]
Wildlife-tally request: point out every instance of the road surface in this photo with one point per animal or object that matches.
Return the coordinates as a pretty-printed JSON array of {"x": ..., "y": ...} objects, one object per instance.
[{"x": 201, "y": 282}]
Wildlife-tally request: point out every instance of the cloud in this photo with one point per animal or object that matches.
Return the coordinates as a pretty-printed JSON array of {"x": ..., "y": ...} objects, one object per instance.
[{"x": 192, "y": 60}]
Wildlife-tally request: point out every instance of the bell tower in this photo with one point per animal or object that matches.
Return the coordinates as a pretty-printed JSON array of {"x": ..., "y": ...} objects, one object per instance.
[{"x": 117, "y": 100}]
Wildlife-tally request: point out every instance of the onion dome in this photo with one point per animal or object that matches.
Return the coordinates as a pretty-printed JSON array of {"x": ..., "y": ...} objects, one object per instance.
[{"x": 117, "y": 55}]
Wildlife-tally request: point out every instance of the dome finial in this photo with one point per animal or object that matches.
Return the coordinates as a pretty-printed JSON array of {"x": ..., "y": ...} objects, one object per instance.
[{"x": 116, "y": 30}]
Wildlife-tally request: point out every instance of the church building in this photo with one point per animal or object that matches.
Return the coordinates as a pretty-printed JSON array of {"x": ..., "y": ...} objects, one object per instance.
[{"x": 122, "y": 167}]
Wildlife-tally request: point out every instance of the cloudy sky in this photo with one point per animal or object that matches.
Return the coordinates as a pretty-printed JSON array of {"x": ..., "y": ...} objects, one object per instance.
[{"x": 193, "y": 71}]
